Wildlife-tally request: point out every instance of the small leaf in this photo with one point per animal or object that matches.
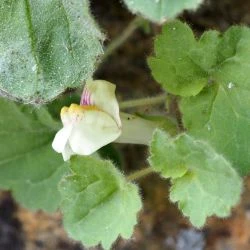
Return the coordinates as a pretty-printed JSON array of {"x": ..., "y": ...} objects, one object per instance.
[
  {"x": 160, "y": 10},
  {"x": 46, "y": 47},
  {"x": 203, "y": 182},
  {"x": 98, "y": 204},
  {"x": 28, "y": 165},
  {"x": 173, "y": 66},
  {"x": 220, "y": 113}
]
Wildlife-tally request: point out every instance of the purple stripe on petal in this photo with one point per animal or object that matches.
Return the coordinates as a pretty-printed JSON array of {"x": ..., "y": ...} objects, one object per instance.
[
  {"x": 86, "y": 97},
  {"x": 83, "y": 97}
]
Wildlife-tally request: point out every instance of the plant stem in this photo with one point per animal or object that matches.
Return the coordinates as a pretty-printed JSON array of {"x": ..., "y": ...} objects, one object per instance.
[
  {"x": 140, "y": 173},
  {"x": 129, "y": 30},
  {"x": 143, "y": 101}
]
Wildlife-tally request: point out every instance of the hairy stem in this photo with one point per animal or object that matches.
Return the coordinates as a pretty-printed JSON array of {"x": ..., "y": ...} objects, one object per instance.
[
  {"x": 140, "y": 173},
  {"x": 143, "y": 101},
  {"x": 123, "y": 37}
]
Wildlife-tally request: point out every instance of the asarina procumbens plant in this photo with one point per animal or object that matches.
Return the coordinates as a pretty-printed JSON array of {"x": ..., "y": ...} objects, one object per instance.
[{"x": 203, "y": 149}]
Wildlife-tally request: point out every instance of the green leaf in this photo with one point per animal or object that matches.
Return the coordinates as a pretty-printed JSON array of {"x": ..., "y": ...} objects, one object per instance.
[
  {"x": 179, "y": 64},
  {"x": 98, "y": 204},
  {"x": 160, "y": 10},
  {"x": 203, "y": 181},
  {"x": 28, "y": 165},
  {"x": 46, "y": 46},
  {"x": 220, "y": 113}
]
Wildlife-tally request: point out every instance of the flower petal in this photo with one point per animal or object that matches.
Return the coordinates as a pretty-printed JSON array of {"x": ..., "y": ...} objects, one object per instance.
[
  {"x": 67, "y": 152},
  {"x": 101, "y": 94},
  {"x": 92, "y": 132},
  {"x": 65, "y": 117},
  {"x": 60, "y": 141}
]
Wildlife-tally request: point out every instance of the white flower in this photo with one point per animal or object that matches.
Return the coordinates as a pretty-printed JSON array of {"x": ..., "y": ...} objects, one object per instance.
[
  {"x": 96, "y": 122},
  {"x": 91, "y": 125}
]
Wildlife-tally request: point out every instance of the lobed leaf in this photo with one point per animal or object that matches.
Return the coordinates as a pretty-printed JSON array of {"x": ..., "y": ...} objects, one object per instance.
[
  {"x": 220, "y": 113},
  {"x": 98, "y": 204},
  {"x": 212, "y": 77},
  {"x": 178, "y": 64},
  {"x": 28, "y": 165},
  {"x": 203, "y": 181},
  {"x": 160, "y": 10}
]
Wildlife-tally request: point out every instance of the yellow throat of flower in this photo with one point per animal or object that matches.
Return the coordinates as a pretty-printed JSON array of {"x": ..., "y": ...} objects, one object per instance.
[{"x": 78, "y": 108}]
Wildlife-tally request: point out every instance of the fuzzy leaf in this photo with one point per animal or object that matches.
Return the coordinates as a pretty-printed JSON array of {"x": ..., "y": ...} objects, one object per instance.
[
  {"x": 160, "y": 10},
  {"x": 220, "y": 113},
  {"x": 179, "y": 64},
  {"x": 28, "y": 165},
  {"x": 45, "y": 47},
  {"x": 98, "y": 204},
  {"x": 203, "y": 182}
]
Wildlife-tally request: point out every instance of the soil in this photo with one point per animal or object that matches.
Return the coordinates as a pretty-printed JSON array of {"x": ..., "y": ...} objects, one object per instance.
[{"x": 161, "y": 226}]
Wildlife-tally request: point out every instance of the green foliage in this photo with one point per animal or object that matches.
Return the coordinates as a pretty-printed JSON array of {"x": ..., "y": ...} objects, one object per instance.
[
  {"x": 212, "y": 76},
  {"x": 28, "y": 165},
  {"x": 203, "y": 182},
  {"x": 46, "y": 46},
  {"x": 98, "y": 204},
  {"x": 173, "y": 66},
  {"x": 160, "y": 10},
  {"x": 220, "y": 113}
]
